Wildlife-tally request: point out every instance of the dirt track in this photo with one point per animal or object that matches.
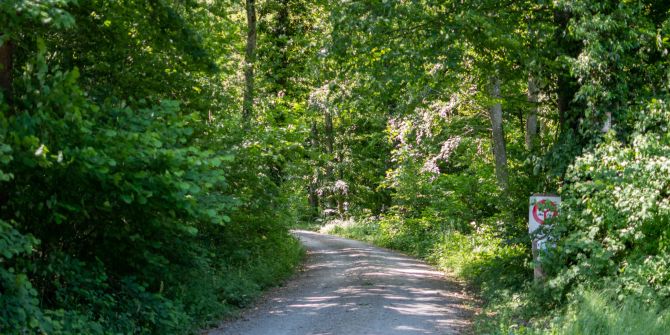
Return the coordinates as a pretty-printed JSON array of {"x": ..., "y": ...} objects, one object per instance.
[{"x": 349, "y": 288}]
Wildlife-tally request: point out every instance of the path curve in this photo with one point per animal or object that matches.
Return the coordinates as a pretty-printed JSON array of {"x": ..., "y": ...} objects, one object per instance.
[{"x": 350, "y": 288}]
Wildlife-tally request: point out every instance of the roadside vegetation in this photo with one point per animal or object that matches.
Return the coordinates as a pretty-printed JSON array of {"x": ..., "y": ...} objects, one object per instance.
[
  {"x": 135, "y": 198},
  {"x": 154, "y": 154},
  {"x": 581, "y": 88}
]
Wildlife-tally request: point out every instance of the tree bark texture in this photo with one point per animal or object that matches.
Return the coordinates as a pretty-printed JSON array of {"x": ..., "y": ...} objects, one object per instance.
[
  {"x": 313, "y": 196},
  {"x": 498, "y": 136},
  {"x": 531, "y": 118},
  {"x": 249, "y": 61},
  {"x": 282, "y": 32},
  {"x": 6, "y": 51},
  {"x": 330, "y": 136},
  {"x": 566, "y": 85}
]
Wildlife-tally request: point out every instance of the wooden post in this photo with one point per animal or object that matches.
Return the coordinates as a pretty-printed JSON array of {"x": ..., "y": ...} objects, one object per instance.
[
  {"x": 542, "y": 207},
  {"x": 538, "y": 274}
]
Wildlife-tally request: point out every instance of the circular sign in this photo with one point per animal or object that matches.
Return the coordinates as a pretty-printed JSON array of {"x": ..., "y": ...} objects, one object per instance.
[{"x": 548, "y": 211}]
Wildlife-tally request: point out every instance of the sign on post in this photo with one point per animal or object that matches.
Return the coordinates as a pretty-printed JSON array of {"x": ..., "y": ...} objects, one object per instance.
[{"x": 542, "y": 207}]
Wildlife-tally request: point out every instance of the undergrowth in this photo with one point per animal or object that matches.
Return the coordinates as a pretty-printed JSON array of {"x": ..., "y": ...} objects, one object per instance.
[{"x": 501, "y": 276}]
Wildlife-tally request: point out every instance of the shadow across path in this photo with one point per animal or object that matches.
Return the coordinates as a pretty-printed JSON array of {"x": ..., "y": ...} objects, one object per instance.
[{"x": 348, "y": 287}]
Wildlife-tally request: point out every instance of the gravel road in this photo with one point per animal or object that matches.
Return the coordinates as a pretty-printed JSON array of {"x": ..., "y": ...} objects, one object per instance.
[{"x": 350, "y": 288}]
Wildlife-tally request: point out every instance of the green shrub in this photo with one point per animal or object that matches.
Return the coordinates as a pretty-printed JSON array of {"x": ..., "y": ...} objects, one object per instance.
[
  {"x": 117, "y": 214},
  {"x": 615, "y": 216}
]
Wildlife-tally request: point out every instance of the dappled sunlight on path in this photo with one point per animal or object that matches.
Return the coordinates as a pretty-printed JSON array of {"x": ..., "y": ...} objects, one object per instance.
[{"x": 348, "y": 287}]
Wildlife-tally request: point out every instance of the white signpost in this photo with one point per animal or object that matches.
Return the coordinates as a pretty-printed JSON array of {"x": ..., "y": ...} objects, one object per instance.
[{"x": 542, "y": 207}]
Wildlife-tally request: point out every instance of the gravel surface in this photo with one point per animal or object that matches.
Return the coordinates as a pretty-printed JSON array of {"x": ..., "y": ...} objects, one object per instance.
[{"x": 348, "y": 287}]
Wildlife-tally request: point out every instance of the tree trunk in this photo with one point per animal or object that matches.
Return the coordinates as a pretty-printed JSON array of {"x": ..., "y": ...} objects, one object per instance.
[
  {"x": 249, "y": 61},
  {"x": 498, "y": 136},
  {"x": 313, "y": 196},
  {"x": 566, "y": 85},
  {"x": 330, "y": 176},
  {"x": 6, "y": 53},
  {"x": 607, "y": 123},
  {"x": 531, "y": 118},
  {"x": 340, "y": 206},
  {"x": 328, "y": 125},
  {"x": 282, "y": 33}
]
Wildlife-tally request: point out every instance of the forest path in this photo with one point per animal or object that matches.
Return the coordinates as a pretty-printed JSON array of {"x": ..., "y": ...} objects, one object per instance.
[{"x": 349, "y": 287}]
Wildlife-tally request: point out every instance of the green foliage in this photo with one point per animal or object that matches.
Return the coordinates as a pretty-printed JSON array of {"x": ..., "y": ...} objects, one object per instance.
[
  {"x": 135, "y": 197},
  {"x": 19, "y": 298},
  {"x": 616, "y": 212},
  {"x": 127, "y": 206},
  {"x": 16, "y": 14},
  {"x": 425, "y": 68},
  {"x": 600, "y": 313}
]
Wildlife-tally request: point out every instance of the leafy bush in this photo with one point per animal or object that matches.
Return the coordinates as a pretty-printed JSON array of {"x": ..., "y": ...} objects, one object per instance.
[
  {"x": 117, "y": 214},
  {"x": 616, "y": 213}
]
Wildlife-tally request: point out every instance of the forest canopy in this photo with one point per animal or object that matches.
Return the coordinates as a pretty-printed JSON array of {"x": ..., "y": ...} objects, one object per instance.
[{"x": 154, "y": 154}]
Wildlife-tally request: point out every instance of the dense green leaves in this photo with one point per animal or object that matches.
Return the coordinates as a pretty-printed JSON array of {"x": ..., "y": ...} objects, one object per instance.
[
  {"x": 616, "y": 214},
  {"x": 125, "y": 206},
  {"x": 583, "y": 68},
  {"x": 136, "y": 198}
]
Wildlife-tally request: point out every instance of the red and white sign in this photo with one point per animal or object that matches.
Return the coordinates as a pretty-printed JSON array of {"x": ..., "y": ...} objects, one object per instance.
[{"x": 542, "y": 207}]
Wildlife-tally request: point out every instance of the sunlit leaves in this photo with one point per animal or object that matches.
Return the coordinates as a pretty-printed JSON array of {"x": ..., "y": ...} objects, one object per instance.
[{"x": 617, "y": 211}]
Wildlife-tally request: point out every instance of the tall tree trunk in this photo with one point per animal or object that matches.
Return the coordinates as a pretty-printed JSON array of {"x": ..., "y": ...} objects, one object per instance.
[
  {"x": 313, "y": 196},
  {"x": 340, "y": 206},
  {"x": 249, "y": 61},
  {"x": 6, "y": 53},
  {"x": 282, "y": 34},
  {"x": 5, "y": 88},
  {"x": 498, "y": 136},
  {"x": 531, "y": 118},
  {"x": 564, "y": 95},
  {"x": 607, "y": 122},
  {"x": 330, "y": 136},
  {"x": 566, "y": 85}
]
